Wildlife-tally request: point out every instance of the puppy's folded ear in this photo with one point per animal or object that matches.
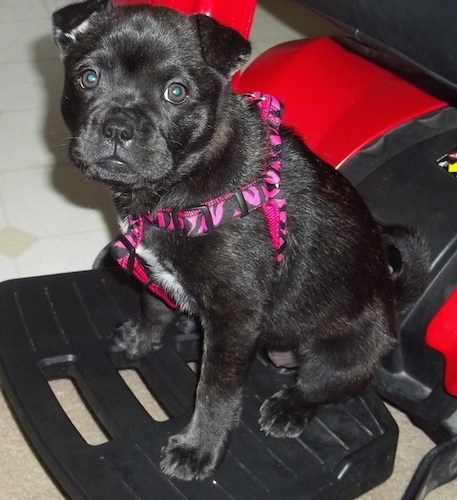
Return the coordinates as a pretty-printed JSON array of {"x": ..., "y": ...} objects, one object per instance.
[
  {"x": 223, "y": 48},
  {"x": 73, "y": 19}
]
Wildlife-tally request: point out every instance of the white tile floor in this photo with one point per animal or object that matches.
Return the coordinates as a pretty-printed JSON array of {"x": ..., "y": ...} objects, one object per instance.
[{"x": 51, "y": 220}]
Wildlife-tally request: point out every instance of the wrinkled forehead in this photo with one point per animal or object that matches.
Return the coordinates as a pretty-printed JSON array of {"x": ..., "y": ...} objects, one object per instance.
[{"x": 143, "y": 40}]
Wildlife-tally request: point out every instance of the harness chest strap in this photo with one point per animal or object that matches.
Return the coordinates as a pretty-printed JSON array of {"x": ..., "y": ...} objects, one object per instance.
[{"x": 265, "y": 193}]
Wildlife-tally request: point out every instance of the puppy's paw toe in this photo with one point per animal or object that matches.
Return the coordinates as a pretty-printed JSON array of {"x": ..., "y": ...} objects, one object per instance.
[
  {"x": 125, "y": 337},
  {"x": 285, "y": 414},
  {"x": 187, "y": 461},
  {"x": 132, "y": 338}
]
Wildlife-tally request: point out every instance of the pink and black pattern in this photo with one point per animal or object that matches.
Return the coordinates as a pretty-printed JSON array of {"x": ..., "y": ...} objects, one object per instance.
[
  {"x": 200, "y": 220},
  {"x": 124, "y": 251},
  {"x": 264, "y": 193},
  {"x": 275, "y": 206}
]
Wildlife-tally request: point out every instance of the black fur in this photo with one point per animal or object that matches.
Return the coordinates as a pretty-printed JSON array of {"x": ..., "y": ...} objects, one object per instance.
[{"x": 330, "y": 303}]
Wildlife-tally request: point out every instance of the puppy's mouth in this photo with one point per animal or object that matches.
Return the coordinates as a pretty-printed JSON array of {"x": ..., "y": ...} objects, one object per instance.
[
  {"x": 111, "y": 170},
  {"x": 112, "y": 163}
]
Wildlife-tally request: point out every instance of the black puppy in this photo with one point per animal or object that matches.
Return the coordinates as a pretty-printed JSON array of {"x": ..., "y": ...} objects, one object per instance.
[{"x": 228, "y": 217}]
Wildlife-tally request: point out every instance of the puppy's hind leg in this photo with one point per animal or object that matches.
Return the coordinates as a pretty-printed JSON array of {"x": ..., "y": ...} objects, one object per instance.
[
  {"x": 332, "y": 369},
  {"x": 137, "y": 337},
  {"x": 288, "y": 412}
]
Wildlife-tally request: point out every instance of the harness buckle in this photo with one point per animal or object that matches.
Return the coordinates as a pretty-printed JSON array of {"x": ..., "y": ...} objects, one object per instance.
[
  {"x": 206, "y": 215},
  {"x": 241, "y": 202},
  {"x": 131, "y": 254},
  {"x": 176, "y": 226}
]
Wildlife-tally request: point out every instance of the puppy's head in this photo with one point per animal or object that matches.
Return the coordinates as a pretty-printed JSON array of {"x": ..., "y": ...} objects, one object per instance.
[{"x": 146, "y": 89}]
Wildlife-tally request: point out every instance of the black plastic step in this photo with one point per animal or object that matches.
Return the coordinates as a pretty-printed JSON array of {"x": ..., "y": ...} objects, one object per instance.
[{"x": 60, "y": 327}]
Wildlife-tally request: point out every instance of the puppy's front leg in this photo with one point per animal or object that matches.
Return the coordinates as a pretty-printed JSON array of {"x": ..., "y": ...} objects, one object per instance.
[
  {"x": 196, "y": 452},
  {"x": 139, "y": 336}
]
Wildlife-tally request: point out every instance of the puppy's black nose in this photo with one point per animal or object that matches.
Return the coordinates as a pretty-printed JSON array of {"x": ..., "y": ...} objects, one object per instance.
[{"x": 118, "y": 129}]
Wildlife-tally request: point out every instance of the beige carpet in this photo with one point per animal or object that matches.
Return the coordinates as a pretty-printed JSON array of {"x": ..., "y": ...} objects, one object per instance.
[{"x": 22, "y": 476}]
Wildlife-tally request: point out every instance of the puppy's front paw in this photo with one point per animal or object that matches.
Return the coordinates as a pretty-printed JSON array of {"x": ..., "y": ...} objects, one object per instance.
[
  {"x": 136, "y": 339},
  {"x": 286, "y": 414},
  {"x": 186, "y": 460}
]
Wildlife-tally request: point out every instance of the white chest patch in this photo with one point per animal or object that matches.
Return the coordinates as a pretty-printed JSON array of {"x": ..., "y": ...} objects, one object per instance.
[{"x": 167, "y": 278}]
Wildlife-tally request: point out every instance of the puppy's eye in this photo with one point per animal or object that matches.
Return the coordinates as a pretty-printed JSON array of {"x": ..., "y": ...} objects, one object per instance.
[
  {"x": 89, "y": 79},
  {"x": 175, "y": 93}
]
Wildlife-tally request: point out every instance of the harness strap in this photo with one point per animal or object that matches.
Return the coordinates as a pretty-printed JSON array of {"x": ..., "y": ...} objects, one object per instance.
[
  {"x": 197, "y": 221},
  {"x": 124, "y": 251}
]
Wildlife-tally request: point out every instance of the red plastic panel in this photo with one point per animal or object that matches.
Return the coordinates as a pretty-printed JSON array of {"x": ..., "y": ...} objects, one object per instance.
[
  {"x": 442, "y": 335},
  {"x": 237, "y": 14},
  {"x": 336, "y": 100}
]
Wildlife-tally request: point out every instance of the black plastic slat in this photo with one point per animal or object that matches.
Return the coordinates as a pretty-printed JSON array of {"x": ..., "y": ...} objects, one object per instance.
[{"x": 176, "y": 398}]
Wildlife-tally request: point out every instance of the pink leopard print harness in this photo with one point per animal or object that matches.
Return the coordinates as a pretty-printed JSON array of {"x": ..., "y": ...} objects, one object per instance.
[{"x": 265, "y": 193}]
